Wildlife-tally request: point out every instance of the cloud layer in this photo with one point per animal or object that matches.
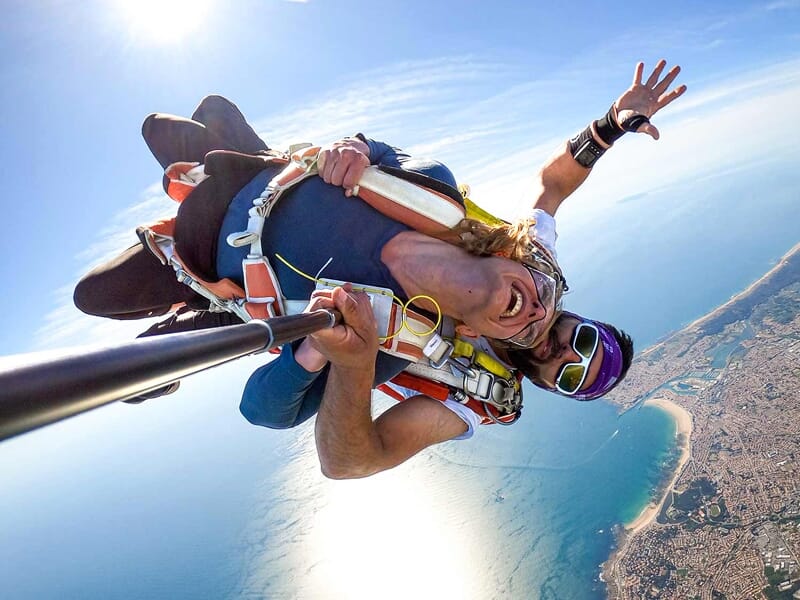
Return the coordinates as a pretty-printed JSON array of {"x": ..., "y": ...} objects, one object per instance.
[{"x": 494, "y": 124}]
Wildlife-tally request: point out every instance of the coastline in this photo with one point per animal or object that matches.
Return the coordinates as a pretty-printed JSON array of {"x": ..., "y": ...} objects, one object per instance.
[
  {"x": 726, "y": 305},
  {"x": 683, "y": 425},
  {"x": 683, "y": 419}
]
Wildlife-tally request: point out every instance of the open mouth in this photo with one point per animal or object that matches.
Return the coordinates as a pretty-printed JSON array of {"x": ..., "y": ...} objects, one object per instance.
[{"x": 514, "y": 304}]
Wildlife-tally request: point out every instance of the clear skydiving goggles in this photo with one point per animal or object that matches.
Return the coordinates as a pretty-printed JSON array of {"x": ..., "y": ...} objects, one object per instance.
[{"x": 549, "y": 293}]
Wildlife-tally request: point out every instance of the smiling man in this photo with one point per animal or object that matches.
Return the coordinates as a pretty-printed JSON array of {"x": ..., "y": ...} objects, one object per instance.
[
  {"x": 501, "y": 285},
  {"x": 578, "y": 357}
]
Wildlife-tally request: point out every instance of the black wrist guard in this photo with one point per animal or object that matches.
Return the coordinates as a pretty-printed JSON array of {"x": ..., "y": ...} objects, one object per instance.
[
  {"x": 633, "y": 123},
  {"x": 584, "y": 149},
  {"x": 607, "y": 128}
]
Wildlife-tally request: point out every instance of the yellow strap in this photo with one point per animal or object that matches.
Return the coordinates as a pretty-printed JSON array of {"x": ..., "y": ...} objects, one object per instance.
[
  {"x": 462, "y": 349},
  {"x": 492, "y": 365},
  {"x": 467, "y": 350}
]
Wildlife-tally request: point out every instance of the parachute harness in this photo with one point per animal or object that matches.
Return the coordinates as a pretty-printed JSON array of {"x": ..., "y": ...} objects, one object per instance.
[{"x": 472, "y": 376}]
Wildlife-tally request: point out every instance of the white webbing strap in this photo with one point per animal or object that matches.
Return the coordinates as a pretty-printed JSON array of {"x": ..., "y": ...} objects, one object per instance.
[
  {"x": 421, "y": 208},
  {"x": 261, "y": 284}
]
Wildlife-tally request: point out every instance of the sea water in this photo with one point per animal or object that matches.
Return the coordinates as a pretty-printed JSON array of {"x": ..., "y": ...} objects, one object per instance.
[
  {"x": 181, "y": 499},
  {"x": 720, "y": 237}
]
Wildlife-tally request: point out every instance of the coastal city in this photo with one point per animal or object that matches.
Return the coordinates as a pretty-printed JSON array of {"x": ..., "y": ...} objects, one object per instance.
[{"x": 725, "y": 524}]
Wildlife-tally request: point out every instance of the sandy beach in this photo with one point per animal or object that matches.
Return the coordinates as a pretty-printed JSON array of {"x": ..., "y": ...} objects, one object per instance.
[{"x": 683, "y": 425}]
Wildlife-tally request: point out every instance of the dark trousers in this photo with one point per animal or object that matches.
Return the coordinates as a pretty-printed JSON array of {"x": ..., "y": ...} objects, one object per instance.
[
  {"x": 216, "y": 124},
  {"x": 134, "y": 284}
]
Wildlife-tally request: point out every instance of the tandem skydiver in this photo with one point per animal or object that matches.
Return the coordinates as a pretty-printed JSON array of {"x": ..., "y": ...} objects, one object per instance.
[{"x": 393, "y": 255}]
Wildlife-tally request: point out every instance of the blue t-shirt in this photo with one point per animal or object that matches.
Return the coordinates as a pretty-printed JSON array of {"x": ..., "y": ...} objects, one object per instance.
[{"x": 311, "y": 223}]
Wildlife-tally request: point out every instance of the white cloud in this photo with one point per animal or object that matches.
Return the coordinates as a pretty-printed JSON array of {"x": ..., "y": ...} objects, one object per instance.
[
  {"x": 782, "y": 5},
  {"x": 494, "y": 125}
]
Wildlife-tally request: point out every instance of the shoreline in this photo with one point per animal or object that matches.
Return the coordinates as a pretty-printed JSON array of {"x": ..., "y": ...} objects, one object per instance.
[
  {"x": 724, "y": 306},
  {"x": 683, "y": 425}
]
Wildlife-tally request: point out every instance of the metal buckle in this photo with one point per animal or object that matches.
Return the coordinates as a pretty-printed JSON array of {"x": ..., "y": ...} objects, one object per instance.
[{"x": 439, "y": 347}]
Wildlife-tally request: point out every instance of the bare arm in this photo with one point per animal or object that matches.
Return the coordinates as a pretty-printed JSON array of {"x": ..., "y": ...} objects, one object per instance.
[
  {"x": 349, "y": 443},
  {"x": 562, "y": 174}
]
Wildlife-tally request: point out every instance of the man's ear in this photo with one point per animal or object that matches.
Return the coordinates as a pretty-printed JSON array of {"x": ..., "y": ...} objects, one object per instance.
[{"x": 466, "y": 331}]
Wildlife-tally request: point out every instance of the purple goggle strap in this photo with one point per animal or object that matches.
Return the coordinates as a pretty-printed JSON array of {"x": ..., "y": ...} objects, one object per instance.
[{"x": 612, "y": 363}]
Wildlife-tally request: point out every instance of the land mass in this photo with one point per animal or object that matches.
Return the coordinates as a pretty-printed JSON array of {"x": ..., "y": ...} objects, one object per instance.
[{"x": 727, "y": 524}]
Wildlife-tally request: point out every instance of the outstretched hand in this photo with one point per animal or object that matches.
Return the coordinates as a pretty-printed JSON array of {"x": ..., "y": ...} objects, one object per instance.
[
  {"x": 354, "y": 342},
  {"x": 649, "y": 97},
  {"x": 342, "y": 163}
]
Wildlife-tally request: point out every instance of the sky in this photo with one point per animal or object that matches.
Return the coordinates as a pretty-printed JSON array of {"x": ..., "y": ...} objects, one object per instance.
[{"x": 490, "y": 89}]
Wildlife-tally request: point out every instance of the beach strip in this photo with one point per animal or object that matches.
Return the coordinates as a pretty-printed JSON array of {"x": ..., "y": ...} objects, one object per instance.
[{"x": 683, "y": 425}]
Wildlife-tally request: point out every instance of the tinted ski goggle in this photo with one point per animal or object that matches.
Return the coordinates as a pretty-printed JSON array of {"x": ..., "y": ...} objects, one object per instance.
[
  {"x": 546, "y": 287},
  {"x": 571, "y": 376}
]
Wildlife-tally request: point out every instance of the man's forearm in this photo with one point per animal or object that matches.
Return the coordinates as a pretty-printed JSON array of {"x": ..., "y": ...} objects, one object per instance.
[
  {"x": 558, "y": 178},
  {"x": 348, "y": 444},
  {"x": 569, "y": 167}
]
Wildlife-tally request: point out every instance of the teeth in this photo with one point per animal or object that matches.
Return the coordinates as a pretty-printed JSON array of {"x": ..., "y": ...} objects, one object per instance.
[{"x": 513, "y": 310}]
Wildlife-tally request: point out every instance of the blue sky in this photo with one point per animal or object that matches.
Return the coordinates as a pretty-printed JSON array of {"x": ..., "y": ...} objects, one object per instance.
[{"x": 488, "y": 89}]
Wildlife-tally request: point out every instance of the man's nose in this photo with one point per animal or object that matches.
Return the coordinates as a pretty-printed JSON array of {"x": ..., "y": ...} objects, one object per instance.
[{"x": 567, "y": 352}]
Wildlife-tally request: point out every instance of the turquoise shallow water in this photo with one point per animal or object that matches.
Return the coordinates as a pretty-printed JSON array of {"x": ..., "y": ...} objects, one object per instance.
[{"x": 578, "y": 470}]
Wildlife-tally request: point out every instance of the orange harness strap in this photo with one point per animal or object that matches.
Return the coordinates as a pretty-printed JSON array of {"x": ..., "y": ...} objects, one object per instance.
[{"x": 440, "y": 391}]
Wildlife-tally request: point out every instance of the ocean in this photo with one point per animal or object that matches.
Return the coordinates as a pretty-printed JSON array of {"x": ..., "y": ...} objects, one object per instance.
[
  {"x": 529, "y": 511},
  {"x": 182, "y": 499}
]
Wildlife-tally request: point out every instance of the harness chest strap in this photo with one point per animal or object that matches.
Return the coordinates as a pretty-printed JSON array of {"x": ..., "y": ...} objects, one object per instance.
[{"x": 472, "y": 377}]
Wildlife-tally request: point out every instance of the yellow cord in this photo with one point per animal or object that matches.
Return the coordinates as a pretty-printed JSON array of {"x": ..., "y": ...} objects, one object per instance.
[
  {"x": 361, "y": 288},
  {"x": 438, "y": 315}
]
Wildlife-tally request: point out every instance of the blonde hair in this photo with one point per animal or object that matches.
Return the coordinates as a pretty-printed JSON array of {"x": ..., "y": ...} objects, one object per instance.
[{"x": 511, "y": 240}]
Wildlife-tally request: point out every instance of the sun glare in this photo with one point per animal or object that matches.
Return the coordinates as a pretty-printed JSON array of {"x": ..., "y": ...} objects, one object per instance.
[
  {"x": 162, "y": 21},
  {"x": 383, "y": 538}
]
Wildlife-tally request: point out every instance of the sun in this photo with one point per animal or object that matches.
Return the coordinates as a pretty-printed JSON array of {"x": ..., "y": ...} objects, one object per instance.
[{"x": 162, "y": 21}]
